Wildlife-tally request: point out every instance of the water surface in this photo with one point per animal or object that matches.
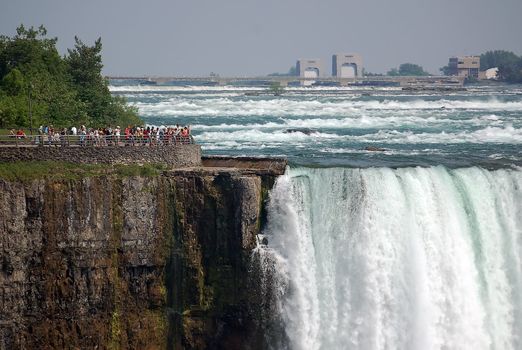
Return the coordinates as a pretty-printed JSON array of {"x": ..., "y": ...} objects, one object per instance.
[{"x": 333, "y": 126}]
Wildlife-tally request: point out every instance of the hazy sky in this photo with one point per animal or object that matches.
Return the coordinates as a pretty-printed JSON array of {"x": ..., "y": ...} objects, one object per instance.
[{"x": 252, "y": 37}]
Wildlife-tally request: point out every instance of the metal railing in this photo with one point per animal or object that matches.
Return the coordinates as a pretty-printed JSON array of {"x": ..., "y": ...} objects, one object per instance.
[{"x": 59, "y": 140}]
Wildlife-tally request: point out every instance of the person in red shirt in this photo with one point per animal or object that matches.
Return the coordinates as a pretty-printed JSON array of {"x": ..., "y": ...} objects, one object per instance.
[
  {"x": 146, "y": 133},
  {"x": 127, "y": 133},
  {"x": 20, "y": 134}
]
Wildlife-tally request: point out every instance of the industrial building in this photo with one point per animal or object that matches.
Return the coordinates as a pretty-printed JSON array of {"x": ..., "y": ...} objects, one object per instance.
[
  {"x": 464, "y": 66},
  {"x": 309, "y": 68},
  {"x": 347, "y": 65}
]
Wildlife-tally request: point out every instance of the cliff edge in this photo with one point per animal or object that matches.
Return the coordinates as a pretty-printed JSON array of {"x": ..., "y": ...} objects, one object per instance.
[{"x": 111, "y": 259}]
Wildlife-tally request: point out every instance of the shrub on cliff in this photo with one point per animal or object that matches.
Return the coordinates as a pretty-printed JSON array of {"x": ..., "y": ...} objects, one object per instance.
[{"x": 58, "y": 90}]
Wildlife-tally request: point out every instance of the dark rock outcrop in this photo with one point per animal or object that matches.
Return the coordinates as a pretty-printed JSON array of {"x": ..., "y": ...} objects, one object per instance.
[
  {"x": 131, "y": 262},
  {"x": 374, "y": 149}
]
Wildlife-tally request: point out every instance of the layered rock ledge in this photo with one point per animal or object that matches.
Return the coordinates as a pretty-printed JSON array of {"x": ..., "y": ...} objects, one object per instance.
[{"x": 135, "y": 262}]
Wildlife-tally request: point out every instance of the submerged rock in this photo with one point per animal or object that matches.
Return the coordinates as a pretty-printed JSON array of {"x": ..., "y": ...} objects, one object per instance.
[
  {"x": 374, "y": 149},
  {"x": 305, "y": 131}
]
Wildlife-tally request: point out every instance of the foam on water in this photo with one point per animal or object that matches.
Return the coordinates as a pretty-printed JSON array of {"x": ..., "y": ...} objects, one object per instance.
[
  {"x": 360, "y": 122},
  {"x": 189, "y": 88},
  {"x": 507, "y": 134},
  {"x": 169, "y": 88},
  {"x": 223, "y": 106},
  {"x": 226, "y": 121}
]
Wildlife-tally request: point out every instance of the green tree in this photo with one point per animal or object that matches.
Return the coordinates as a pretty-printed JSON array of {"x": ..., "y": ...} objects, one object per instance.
[
  {"x": 85, "y": 68},
  {"x": 445, "y": 70},
  {"x": 61, "y": 91},
  {"x": 509, "y": 65},
  {"x": 13, "y": 82},
  {"x": 13, "y": 100},
  {"x": 291, "y": 72},
  {"x": 84, "y": 64},
  {"x": 29, "y": 51},
  {"x": 393, "y": 72},
  {"x": 408, "y": 69},
  {"x": 492, "y": 59},
  {"x": 13, "y": 111},
  {"x": 31, "y": 65}
]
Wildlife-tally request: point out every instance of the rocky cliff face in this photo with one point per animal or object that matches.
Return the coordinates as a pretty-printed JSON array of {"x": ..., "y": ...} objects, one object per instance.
[{"x": 131, "y": 262}]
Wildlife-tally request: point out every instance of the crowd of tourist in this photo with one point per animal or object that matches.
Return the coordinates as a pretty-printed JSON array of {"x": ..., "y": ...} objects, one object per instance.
[{"x": 109, "y": 136}]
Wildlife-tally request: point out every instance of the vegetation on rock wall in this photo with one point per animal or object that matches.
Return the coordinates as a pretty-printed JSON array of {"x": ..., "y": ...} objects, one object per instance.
[{"x": 38, "y": 86}]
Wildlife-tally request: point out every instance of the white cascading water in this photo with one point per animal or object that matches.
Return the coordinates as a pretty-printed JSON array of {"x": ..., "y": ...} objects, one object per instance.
[{"x": 411, "y": 258}]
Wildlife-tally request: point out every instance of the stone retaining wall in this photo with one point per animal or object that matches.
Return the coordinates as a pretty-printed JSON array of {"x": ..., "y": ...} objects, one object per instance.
[
  {"x": 260, "y": 165},
  {"x": 175, "y": 156}
]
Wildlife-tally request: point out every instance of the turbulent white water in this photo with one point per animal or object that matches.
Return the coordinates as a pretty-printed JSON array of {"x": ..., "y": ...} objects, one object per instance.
[
  {"x": 335, "y": 126},
  {"x": 410, "y": 258},
  {"x": 344, "y": 105},
  {"x": 378, "y": 254}
]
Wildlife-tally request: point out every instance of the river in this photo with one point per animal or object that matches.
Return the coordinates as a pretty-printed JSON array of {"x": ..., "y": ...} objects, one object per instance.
[{"x": 398, "y": 224}]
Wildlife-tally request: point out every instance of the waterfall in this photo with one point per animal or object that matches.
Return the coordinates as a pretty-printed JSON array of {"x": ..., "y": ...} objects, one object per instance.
[{"x": 410, "y": 258}]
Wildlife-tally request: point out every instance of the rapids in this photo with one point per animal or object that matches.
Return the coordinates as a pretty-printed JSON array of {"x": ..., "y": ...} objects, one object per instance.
[
  {"x": 480, "y": 126},
  {"x": 415, "y": 246}
]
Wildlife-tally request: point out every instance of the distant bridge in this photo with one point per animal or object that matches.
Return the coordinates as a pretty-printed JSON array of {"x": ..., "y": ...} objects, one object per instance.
[{"x": 285, "y": 80}]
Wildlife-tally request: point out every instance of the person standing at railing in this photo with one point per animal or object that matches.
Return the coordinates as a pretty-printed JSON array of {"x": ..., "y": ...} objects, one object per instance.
[
  {"x": 107, "y": 136},
  {"x": 146, "y": 133},
  {"x": 83, "y": 133},
  {"x": 184, "y": 135},
  {"x": 161, "y": 135},
  {"x": 50, "y": 135},
  {"x": 39, "y": 138},
  {"x": 152, "y": 136},
  {"x": 155, "y": 136},
  {"x": 20, "y": 134},
  {"x": 102, "y": 132},
  {"x": 74, "y": 132},
  {"x": 117, "y": 133},
  {"x": 127, "y": 135},
  {"x": 63, "y": 135},
  {"x": 176, "y": 134},
  {"x": 139, "y": 135},
  {"x": 56, "y": 137},
  {"x": 168, "y": 136}
]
